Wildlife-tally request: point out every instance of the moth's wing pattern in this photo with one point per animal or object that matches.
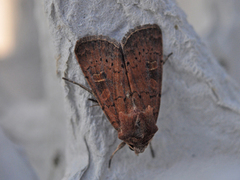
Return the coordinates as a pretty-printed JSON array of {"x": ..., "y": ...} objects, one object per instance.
[
  {"x": 142, "y": 49},
  {"x": 101, "y": 61}
]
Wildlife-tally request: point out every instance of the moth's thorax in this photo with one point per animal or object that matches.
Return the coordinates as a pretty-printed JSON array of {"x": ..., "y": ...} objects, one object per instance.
[{"x": 137, "y": 128}]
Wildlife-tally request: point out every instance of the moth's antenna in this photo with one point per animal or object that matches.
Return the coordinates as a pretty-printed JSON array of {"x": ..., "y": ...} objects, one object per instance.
[
  {"x": 120, "y": 146},
  {"x": 82, "y": 86}
]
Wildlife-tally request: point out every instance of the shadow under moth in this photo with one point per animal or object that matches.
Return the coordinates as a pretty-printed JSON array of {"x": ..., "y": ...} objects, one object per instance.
[{"x": 126, "y": 79}]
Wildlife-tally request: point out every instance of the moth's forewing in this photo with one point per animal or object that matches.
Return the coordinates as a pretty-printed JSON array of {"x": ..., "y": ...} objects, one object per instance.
[
  {"x": 142, "y": 50},
  {"x": 101, "y": 61}
]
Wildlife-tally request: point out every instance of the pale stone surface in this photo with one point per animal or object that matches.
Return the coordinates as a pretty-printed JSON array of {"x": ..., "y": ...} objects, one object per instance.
[
  {"x": 224, "y": 36},
  {"x": 199, "y": 116},
  {"x": 216, "y": 21},
  {"x": 198, "y": 15}
]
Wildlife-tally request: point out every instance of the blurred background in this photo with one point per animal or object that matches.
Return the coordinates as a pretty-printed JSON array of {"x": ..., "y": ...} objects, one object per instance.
[{"x": 32, "y": 118}]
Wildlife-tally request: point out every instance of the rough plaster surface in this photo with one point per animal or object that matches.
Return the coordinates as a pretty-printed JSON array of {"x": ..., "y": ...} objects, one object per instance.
[
  {"x": 200, "y": 107},
  {"x": 224, "y": 37},
  {"x": 216, "y": 22}
]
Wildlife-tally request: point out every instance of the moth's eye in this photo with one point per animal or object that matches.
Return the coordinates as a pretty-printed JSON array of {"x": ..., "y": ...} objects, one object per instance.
[{"x": 131, "y": 147}]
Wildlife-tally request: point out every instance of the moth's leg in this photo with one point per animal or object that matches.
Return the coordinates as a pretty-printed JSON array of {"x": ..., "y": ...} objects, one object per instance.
[
  {"x": 152, "y": 151},
  {"x": 166, "y": 58},
  {"x": 93, "y": 100},
  {"x": 90, "y": 91},
  {"x": 94, "y": 105},
  {"x": 82, "y": 86},
  {"x": 120, "y": 146}
]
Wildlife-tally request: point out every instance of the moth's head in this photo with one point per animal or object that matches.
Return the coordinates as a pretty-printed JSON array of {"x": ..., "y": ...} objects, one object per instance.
[{"x": 137, "y": 129}]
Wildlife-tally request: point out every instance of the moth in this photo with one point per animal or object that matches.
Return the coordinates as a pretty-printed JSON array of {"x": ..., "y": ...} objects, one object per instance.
[{"x": 126, "y": 79}]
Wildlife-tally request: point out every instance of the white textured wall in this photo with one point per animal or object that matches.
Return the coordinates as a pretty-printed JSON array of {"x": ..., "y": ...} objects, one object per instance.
[
  {"x": 224, "y": 36},
  {"x": 200, "y": 107},
  {"x": 216, "y": 21}
]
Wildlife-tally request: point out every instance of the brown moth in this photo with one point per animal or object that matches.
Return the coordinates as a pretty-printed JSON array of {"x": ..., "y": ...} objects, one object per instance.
[{"x": 126, "y": 80}]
